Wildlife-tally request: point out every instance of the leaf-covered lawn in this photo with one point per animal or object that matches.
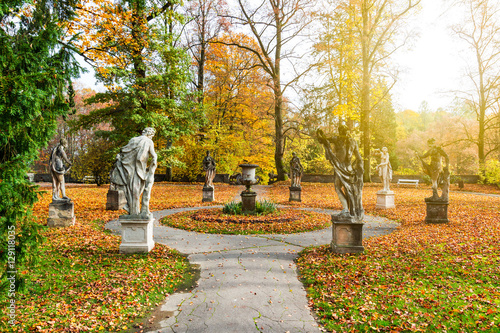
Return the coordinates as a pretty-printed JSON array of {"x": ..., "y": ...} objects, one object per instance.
[
  {"x": 83, "y": 284},
  {"x": 419, "y": 278},
  {"x": 213, "y": 221}
]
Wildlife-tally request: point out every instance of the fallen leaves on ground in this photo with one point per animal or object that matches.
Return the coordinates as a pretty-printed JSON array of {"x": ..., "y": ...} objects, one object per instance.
[
  {"x": 422, "y": 277},
  {"x": 81, "y": 283}
]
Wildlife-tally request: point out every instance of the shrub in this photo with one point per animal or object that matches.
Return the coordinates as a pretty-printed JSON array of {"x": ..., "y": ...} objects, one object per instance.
[
  {"x": 232, "y": 208},
  {"x": 491, "y": 172},
  {"x": 263, "y": 207}
]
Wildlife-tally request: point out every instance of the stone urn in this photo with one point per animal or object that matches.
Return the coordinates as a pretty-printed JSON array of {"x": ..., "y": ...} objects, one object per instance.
[{"x": 248, "y": 179}]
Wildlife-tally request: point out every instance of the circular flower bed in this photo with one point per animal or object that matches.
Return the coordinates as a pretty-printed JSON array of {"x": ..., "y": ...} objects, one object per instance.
[{"x": 214, "y": 221}]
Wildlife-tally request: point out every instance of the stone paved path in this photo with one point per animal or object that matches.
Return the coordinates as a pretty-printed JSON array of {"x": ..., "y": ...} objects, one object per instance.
[{"x": 247, "y": 283}]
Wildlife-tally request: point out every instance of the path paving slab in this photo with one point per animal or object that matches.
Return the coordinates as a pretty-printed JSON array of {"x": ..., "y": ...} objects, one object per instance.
[{"x": 248, "y": 283}]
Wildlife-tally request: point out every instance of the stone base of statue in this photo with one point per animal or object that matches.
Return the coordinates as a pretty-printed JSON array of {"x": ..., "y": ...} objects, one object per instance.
[
  {"x": 208, "y": 194},
  {"x": 437, "y": 211},
  {"x": 385, "y": 199},
  {"x": 137, "y": 234},
  {"x": 295, "y": 193},
  {"x": 61, "y": 213},
  {"x": 115, "y": 200},
  {"x": 248, "y": 201},
  {"x": 347, "y": 235}
]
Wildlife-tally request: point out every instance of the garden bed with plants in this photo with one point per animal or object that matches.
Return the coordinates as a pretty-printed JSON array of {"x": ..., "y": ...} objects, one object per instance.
[{"x": 231, "y": 220}]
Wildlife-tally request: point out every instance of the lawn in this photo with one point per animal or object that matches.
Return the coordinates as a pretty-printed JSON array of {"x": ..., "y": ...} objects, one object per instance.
[
  {"x": 82, "y": 284},
  {"x": 421, "y": 278}
]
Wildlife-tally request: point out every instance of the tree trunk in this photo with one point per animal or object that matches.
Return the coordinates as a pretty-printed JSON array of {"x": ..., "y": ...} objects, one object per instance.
[
  {"x": 138, "y": 28},
  {"x": 280, "y": 141},
  {"x": 278, "y": 100},
  {"x": 365, "y": 97}
]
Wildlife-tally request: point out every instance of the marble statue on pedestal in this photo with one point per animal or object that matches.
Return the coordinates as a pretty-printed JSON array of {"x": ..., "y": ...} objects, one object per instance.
[
  {"x": 435, "y": 170},
  {"x": 296, "y": 171},
  {"x": 209, "y": 166},
  {"x": 339, "y": 151},
  {"x": 58, "y": 170},
  {"x": 347, "y": 227},
  {"x": 61, "y": 209},
  {"x": 437, "y": 206},
  {"x": 384, "y": 168},
  {"x": 133, "y": 174}
]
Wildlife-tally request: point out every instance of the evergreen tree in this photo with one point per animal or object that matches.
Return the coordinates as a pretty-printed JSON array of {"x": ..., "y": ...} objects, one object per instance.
[{"x": 36, "y": 68}]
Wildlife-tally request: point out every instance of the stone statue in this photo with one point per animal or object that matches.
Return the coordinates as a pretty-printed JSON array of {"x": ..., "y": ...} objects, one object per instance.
[
  {"x": 436, "y": 171},
  {"x": 132, "y": 173},
  {"x": 209, "y": 168},
  {"x": 57, "y": 170},
  {"x": 384, "y": 168},
  {"x": 113, "y": 186},
  {"x": 296, "y": 170},
  {"x": 348, "y": 173}
]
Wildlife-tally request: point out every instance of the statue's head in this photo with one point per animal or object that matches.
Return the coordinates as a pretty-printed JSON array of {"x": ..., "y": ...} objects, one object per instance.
[
  {"x": 149, "y": 132},
  {"x": 384, "y": 149},
  {"x": 431, "y": 142},
  {"x": 63, "y": 142},
  {"x": 294, "y": 154},
  {"x": 208, "y": 152},
  {"x": 343, "y": 130}
]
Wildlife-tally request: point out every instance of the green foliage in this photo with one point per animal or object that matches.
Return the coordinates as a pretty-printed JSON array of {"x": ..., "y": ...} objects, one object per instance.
[
  {"x": 426, "y": 179},
  {"x": 232, "y": 208},
  {"x": 491, "y": 173},
  {"x": 35, "y": 71},
  {"x": 263, "y": 207},
  {"x": 96, "y": 161},
  {"x": 406, "y": 171}
]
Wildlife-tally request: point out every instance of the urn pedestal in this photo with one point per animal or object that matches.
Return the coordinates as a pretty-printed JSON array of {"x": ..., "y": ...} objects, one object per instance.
[
  {"x": 385, "y": 200},
  {"x": 437, "y": 211},
  {"x": 248, "y": 201},
  {"x": 347, "y": 235},
  {"x": 115, "y": 200},
  {"x": 61, "y": 213},
  {"x": 137, "y": 234},
  {"x": 295, "y": 194},
  {"x": 208, "y": 194}
]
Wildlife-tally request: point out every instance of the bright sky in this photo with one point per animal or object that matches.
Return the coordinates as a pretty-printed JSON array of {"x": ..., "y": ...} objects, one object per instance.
[{"x": 434, "y": 66}]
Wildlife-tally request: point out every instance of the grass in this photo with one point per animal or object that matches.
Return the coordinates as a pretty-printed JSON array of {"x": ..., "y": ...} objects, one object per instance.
[
  {"x": 421, "y": 278},
  {"x": 82, "y": 284},
  {"x": 263, "y": 207}
]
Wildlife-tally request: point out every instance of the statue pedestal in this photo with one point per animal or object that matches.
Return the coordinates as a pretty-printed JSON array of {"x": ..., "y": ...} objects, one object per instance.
[
  {"x": 248, "y": 201},
  {"x": 437, "y": 211},
  {"x": 347, "y": 235},
  {"x": 115, "y": 200},
  {"x": 385, "y": 199},
  {"x": 61, "y": 213},
  {"x": 208, "y": 194},
  {"x": 295, "y": 193},
  {"x": 137, "y": 234}
]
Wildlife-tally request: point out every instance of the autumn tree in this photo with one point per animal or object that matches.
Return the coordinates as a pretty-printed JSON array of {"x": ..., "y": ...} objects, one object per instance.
[
  {"x": 238, "y": 111},
  {"x": 481, "y": 31},
  {"x": 132, "y": 46},
  {"x": 36, "y": 68},
  {"x": 380, "y": 22},
  {"x": 277, "y": 27},
  {"x": 338, "y": 54},
  {"x": 206, "y": 23}
]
